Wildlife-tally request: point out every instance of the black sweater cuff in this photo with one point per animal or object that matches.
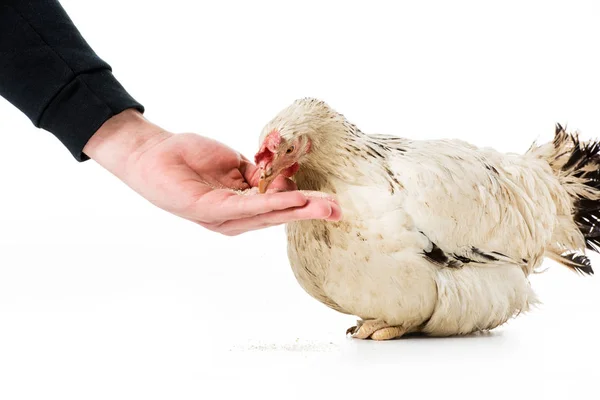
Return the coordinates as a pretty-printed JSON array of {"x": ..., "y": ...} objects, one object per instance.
[
  {"x": 82, "y": 106},
  {"x": 50, "y": 73}
]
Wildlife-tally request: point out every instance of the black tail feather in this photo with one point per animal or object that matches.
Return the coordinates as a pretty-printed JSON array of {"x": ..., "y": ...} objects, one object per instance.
[
  {"x": 583, "y": 163},
  {"x": 579, "y": 262}
]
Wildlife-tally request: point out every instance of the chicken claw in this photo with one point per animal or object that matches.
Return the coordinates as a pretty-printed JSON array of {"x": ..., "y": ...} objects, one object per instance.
[
  {"x": 375, "y": 329},
  {"x": 351, "y": 330},
  {"x": 364, "y": 329},
  {"x": 391, "y": 332}
]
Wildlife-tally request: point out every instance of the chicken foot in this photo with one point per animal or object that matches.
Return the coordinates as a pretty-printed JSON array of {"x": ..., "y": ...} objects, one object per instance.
[{"x": 375, "y": 329}]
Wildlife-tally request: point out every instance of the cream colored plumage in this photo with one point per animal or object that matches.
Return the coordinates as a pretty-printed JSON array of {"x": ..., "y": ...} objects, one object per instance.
[{"x": 437, "y": 236}]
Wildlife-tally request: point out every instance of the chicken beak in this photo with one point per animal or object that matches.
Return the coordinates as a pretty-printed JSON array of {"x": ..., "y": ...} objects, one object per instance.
[{"x": 266, "y": 177}]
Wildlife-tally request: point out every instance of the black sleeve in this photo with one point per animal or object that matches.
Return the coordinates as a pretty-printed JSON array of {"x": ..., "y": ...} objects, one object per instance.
[{"x": 49, "y": 72}]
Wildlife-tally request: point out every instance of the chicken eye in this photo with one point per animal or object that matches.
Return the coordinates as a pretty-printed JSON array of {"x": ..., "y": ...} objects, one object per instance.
[{"x": 288, "y": 151}]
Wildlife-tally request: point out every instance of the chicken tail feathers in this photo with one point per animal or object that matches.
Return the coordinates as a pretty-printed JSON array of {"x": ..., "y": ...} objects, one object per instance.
[{"x": 577, "y": 166}]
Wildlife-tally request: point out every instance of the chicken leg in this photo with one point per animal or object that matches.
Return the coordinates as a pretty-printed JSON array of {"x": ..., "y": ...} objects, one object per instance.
[{"x": 375, "y": 329}]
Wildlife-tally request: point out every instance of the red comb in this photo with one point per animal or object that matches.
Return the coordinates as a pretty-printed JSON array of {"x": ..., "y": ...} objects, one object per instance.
[{"x": 268, "y": 148}]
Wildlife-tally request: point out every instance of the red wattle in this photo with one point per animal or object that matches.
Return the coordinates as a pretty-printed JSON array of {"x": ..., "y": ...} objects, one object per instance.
[{"x": 291, "y": 170}]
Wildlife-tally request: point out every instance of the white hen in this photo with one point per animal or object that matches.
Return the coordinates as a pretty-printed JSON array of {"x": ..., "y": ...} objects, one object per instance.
[{"x": 437, "y": 237}]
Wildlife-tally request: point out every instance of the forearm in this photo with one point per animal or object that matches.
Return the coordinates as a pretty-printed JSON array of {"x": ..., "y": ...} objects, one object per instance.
[{"x": 49, "y": 72}]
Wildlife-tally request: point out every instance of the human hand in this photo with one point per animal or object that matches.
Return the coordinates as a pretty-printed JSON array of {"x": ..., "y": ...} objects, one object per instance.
[{"x": 198, "y": 178}]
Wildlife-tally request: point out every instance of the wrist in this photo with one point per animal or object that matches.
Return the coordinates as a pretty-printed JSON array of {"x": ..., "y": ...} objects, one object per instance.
[{"x": 123, "y": 138}]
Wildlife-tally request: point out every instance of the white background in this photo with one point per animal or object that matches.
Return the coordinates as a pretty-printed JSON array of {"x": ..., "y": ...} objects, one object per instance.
[{"x": 103, "y": 296}]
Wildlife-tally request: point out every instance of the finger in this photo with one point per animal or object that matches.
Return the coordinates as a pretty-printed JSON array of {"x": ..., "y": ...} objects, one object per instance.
[
  {"x": 336, "y": 212},
  {"x": 223, "y": 205},
  {"x": 250, "y": 171},
  {"x": 314, "y": 209},
  {"x": 235, "y": 180}
]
